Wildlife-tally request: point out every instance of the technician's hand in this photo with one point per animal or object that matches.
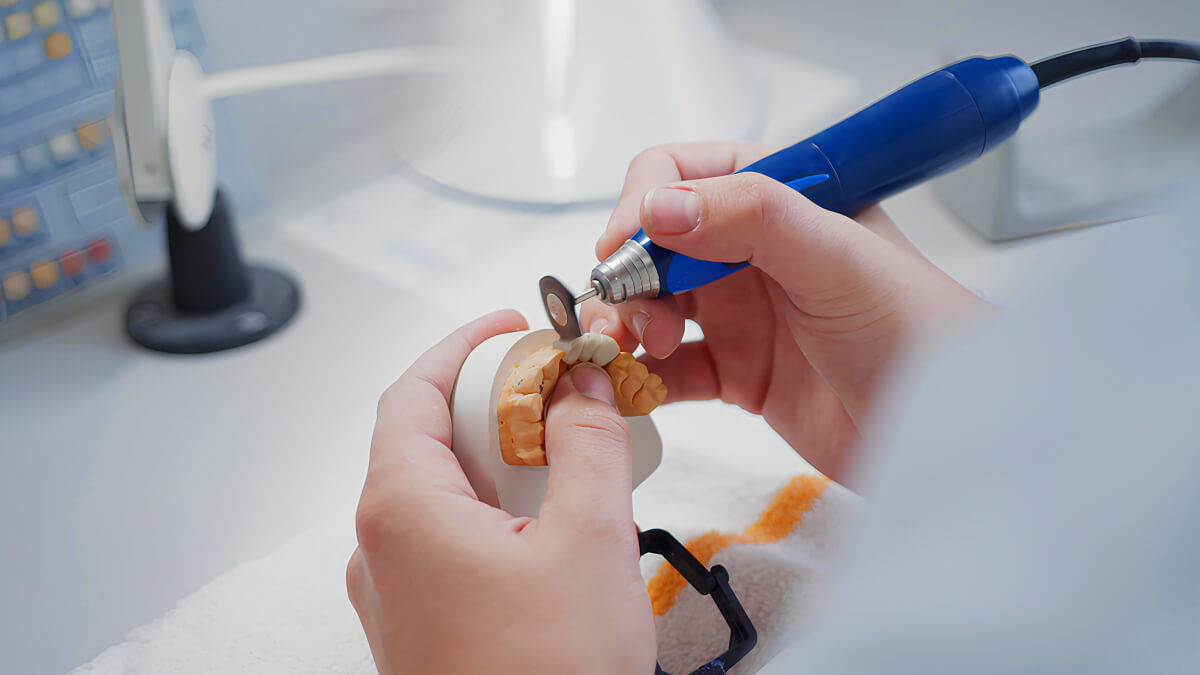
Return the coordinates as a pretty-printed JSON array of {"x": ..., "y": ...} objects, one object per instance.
[
  {"x": 444, "y": 583},
  {"x": 806, "y": 334}
]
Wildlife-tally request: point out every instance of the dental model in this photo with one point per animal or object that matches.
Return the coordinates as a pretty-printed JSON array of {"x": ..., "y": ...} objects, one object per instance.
[{"x": 520, "y": 409}]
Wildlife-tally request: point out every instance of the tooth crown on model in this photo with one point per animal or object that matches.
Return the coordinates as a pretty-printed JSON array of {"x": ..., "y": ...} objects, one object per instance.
[{"x": 527, "y": 389}]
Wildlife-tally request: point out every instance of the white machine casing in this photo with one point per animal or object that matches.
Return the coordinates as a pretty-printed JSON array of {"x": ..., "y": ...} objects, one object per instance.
[
  {"x": 162, "y": 120},
  {"x": 1120, "y": 145},
  {"x": 518, "y": 490}
]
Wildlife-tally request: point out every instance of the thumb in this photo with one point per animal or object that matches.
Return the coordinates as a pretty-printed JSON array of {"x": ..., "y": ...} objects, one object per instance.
[
  {"x": 589, "y": 452},
  {"x": 811, "y": 252}
]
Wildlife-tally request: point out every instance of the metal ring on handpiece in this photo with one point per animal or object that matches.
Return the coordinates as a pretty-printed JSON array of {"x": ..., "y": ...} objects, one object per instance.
[{"x": 627, "y": 274}]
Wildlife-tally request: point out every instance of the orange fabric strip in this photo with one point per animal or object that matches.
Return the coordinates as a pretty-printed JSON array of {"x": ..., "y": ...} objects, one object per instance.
[{"x": 782, "y": 516}]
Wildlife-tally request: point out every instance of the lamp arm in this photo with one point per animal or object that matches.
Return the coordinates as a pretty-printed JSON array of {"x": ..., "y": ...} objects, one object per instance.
[{"x": 163, "y": 127}]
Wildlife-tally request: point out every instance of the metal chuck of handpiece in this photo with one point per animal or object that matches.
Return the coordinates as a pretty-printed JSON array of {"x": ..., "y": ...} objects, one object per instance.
[{"x": 627, "y": 274}]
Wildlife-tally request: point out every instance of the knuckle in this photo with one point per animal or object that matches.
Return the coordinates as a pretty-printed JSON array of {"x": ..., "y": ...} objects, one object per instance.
[
  {"x": 643, "y": 154},
  {"x": 753, "y": 183},
  {"x": 354, "y": 577},
  {"x": 735, "y": 200},
  {"x": 389, "y": 399},
  {"x": 372, "y": 522},
  {"x": 610, "y": 531},
  {"x": 771, "y": 209},
  {"x": 602, "y": 427},
  {"x": 648, "y": 155},
  {"x": 765, "y": 198},
  {"x": 652, "y": 154}
]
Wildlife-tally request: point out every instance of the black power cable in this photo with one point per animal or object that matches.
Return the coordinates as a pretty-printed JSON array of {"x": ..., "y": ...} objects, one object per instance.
[{"x": 1055, "y": 69}]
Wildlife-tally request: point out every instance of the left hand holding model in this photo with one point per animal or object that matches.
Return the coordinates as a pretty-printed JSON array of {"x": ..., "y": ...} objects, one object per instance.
[{"x": 444, "y": 583}]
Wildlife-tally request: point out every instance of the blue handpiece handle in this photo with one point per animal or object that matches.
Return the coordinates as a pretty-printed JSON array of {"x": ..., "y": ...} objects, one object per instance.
[{"x": 925, "y": 129}]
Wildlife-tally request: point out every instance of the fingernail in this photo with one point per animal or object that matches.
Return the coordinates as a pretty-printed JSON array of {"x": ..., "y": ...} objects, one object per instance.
[
  {"x": 593, "y": 383},
  {"x": 672, "y": 209},
  {"x": 598, "y": 325},
  {"x": 640, "y": 320}
]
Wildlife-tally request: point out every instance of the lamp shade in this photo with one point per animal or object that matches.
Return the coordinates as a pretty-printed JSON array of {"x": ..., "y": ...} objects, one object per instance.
[{"x": 564, "y": 93}]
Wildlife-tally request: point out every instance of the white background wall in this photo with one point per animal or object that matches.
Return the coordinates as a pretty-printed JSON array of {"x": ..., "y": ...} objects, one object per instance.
[{"x": 293, "y": 136}]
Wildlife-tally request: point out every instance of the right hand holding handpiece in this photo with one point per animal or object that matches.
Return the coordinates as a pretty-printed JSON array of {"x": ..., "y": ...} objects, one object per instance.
[{"x": 803, "y": 336}]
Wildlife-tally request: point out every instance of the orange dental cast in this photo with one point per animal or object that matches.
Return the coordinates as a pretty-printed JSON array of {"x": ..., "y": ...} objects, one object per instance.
[{"x": 522, "y": 402}]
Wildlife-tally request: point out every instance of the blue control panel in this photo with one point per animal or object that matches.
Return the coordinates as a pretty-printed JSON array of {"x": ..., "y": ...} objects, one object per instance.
[{"x": 63, "y": 222}]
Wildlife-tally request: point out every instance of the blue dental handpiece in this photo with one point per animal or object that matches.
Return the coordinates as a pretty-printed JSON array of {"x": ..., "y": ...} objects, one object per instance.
[{"x": 928, "y": 127}]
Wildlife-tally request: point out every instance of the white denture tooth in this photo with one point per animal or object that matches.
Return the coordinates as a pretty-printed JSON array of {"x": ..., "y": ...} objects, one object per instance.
[
  {"x": 570, "y": 350},
  {"x": 607, "y": 349},
  {"x": 576, "y": 351},
  {"x": 594, "y": 347}
]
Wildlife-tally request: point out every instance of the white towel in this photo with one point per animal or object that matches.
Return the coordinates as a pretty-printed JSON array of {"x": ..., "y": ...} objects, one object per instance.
[
  {"x": 285, "y": 613},
  {"x": 722, "y": 469},
  {"x": 738, "y": 496}
]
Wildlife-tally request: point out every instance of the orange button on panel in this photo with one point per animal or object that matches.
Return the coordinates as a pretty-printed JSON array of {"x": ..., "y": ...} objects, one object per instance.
[
  {"x": 16, "y": 285},
  {"x": 91, "y": 134},
  {"x": 73, "y": 262},
  {"x": 45, "y": 274},
  {"x": 58, "y": 45},
  {"x": 99, "y": 251},
  {"x": 5, "y": 232},
  {"x": 25, "y": 221}
]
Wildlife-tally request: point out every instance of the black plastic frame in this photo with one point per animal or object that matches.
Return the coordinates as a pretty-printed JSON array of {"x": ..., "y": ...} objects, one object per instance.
[{"x": 715, "y": 583}]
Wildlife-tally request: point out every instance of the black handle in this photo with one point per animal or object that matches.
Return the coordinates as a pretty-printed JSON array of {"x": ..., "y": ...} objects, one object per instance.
[{"x": 715, "y": 583}]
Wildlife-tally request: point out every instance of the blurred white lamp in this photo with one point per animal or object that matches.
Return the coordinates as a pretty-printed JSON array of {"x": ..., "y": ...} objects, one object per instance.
[{"x": 569, "y": 91}]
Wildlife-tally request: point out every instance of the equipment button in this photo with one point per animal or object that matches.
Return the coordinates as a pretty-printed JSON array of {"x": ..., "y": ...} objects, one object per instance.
[
  {"x": 45, "y": 274},
  {"x": 46, "y": 14},
  {"x": 19, "y": 25},
  {"x": 57, "y": 45},
  {"x": 64, "y": 146},
  {"x": 90, "y": 134},
  {"x": 73, "y": 262},
  {"x": 78, "y": 9},
  {"x": 36, "y": 158},
  {"x": 100, "y": 251},
  {"x": 10, "y": 169},
  {"x": 25, "y": 221},
  {"x": 16, "y": 286}
]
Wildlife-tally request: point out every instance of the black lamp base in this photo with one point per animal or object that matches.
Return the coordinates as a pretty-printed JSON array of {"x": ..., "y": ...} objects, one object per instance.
[
  {"x": 154, "y": 322},
  {"x": 211, "y": 300}
]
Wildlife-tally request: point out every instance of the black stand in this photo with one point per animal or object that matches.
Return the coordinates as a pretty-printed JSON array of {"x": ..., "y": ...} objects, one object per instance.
[
  {"x": 212, "y": 300},
  {"x": 715, "y": 584}
]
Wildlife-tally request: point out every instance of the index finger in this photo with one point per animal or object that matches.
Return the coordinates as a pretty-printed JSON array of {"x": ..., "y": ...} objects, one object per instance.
[{"x": 667, "y": 164}]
